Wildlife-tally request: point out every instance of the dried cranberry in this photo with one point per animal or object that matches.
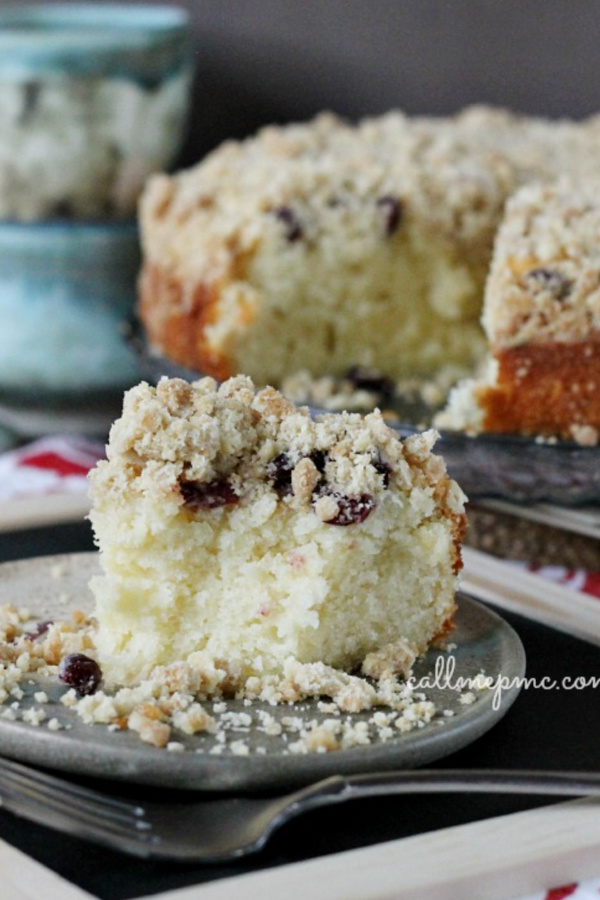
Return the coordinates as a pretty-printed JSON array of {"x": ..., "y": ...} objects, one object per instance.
[
  {"x": 319, "y": 459},
  {"x": 279, "y": 470},
  {"x": 370, "y": 380},
  {"x": 279, "y": 473},
  {"x": 293, "y": 228},
  {"x": 212, "y": 495},
  {"x": 384, "y": 469},
  {"x": 551, "y": 280},
  {"x": 40, "y": 629},
  {"x": 81, "y": 672},
  {"x": 351, "y": 510},
  {"x": 393, "y": 212}
]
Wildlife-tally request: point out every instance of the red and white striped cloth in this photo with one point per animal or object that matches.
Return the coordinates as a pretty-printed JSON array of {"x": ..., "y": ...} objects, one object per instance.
[
  {"x": 52, "y": 465},
  {"x": 576, "y": 579},
  {"x": 61, "y": 464},
  {"x": 586, "y": 890}
]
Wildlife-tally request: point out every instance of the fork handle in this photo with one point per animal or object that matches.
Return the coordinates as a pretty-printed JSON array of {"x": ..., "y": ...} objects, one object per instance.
[
  {"x": 503, "y": 781},
  {"x": 340, "y": 788}
]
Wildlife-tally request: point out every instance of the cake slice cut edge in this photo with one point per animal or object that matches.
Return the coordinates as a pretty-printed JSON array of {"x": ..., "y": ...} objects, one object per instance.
[{"x": 542, "y": 318}]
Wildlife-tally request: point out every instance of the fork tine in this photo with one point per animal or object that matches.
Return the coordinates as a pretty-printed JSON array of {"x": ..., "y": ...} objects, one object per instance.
[
  {"x": 80, "y": 820},
  {"x": 117, "y": 836},
  {"x": 62, "y": 786},
  {"x": 57, "y": 810},
  {"x": 76, "y": 799},
  {"x": 77, "y": 808}
]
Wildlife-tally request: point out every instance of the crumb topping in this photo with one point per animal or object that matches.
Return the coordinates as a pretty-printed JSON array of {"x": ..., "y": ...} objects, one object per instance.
[
  {"x": 205, "y": 446},
  {"x": 452, "y": 175}
]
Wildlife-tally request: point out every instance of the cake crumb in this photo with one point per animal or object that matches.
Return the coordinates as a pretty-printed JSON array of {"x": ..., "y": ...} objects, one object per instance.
[
  {"x": 239, "y": 748},
  {"x": 150, "y": 729}
]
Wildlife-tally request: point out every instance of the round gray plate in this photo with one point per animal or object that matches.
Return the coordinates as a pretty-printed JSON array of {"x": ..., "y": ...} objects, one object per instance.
[{"x": 50, "y": 587}]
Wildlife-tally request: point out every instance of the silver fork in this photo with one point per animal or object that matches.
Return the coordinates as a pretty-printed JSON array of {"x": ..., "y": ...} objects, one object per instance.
[{"x": 215, "y": 829}]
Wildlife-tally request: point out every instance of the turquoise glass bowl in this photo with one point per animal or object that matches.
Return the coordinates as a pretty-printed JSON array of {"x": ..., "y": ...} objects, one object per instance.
[
  {"x": 93, "y": 99},
  {"x": 66, "y": 292},
  {"x": 144, "y": 43}
]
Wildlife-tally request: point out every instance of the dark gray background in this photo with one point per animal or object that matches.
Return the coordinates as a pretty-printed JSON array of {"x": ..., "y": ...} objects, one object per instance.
[
  {"x": 260, "y": 61},
  {"x": 276, "y": 59},
  {"x": 273, "y": 60}
]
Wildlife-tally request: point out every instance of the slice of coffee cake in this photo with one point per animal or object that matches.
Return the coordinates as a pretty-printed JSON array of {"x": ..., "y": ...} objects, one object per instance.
[{"x": 241, "y": 535}]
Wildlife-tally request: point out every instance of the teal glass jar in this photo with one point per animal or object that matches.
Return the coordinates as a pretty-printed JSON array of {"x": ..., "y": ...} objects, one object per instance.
[
  {"x": 66, "y": 293},
  {"x": 93, "y": 99}
]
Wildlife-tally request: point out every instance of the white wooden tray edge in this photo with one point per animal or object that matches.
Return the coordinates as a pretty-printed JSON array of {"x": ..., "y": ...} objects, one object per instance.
[{"x": 501, "y": 858}]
